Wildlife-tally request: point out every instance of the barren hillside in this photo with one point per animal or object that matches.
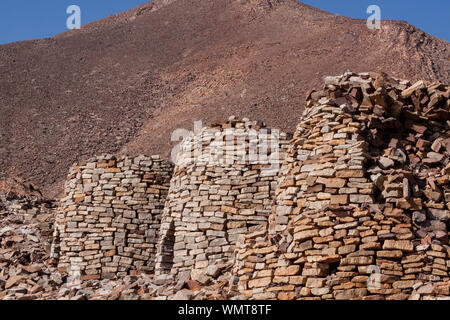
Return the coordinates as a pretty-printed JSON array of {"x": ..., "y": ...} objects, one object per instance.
[{"x": 125, "y": 83}]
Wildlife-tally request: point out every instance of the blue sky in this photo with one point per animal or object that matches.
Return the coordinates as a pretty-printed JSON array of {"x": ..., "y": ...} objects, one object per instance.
[
  {"x": 31, "y": 19},
  {"x": 432, "y": 16}
]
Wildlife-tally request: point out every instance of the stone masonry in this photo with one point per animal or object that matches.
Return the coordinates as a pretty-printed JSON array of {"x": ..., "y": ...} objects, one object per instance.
[
  {"x": 362, "y": 209},
  {"x": 109, "y": 220},
  {"x": 354, "y": 206},
  {"x": 223, "y": 186}
]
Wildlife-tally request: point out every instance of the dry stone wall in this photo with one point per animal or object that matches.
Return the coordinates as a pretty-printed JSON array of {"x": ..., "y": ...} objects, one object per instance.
[
  {"x": 109, "y": 220},
  {"x": 223, "y": 186},
  {"x": 362, "y": 209},
  {"x": 354, "y": 206}
]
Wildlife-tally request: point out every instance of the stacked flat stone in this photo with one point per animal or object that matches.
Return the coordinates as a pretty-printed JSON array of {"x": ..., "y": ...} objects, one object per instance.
[
  {"x": 361, "y": 210},
  {"x": 109, "y": 220},
  {"x": 223, "y": 186}
]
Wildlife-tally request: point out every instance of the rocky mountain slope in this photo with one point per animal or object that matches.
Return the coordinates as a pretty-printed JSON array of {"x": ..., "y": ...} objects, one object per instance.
[{"x": 125, "y": 83}]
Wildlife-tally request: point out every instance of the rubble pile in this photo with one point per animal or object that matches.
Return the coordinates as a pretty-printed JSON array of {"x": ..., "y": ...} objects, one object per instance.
[
  {"x": 26, "y": 227},
  {"x": 362, "y": 210}
]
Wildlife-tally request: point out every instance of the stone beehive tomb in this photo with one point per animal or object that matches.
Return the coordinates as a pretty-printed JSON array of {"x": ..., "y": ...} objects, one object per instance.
[
  {"x": 354, "y": 206},
  {"x": 223, "y": 186},
  {"x": 362, "y": 208},
  {"x": 109, "y": 219}
]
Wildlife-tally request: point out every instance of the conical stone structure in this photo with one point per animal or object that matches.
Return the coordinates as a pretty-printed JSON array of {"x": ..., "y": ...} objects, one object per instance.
[
  {"x": 361, "y": 208},
  {"x": 223, "y": 186}
]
